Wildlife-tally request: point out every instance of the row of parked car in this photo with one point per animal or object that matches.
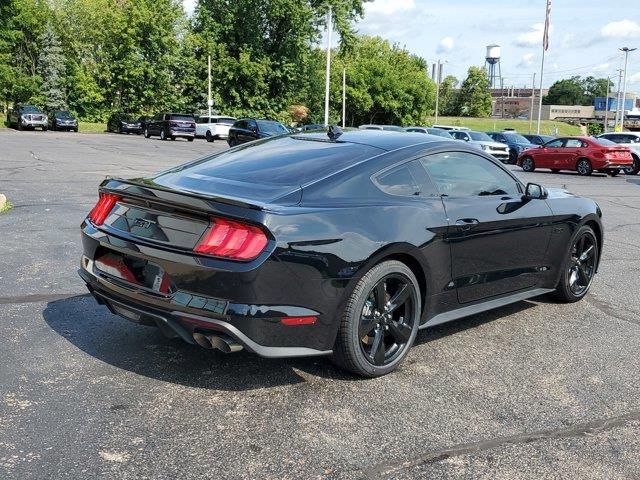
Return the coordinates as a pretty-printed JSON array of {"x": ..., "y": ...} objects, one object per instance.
[
  {"x": 609, "y": 153},
  {"x": 30, "y": 117}
]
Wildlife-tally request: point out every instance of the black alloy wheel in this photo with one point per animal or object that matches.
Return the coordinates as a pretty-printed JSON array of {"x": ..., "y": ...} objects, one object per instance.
[
  {"x": 633, "y": 169},
  {"x": 584, "y": 167},
  {"x": 579, "y": 267},
  {"x": 380, "y": 322},
  {"x": 528, "y": 165}
]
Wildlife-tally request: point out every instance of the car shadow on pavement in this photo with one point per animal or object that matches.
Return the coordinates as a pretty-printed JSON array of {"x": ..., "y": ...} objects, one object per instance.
[{"x": 145, "y": 351}]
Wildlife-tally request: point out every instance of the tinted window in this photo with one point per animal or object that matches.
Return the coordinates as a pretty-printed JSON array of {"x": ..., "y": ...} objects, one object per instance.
[
  {"x": 408, "y": 179},
  {"x": 226, "y": 121},
  {"x": 462, "y": 174},
  {"x": 604, "y": 142},
  {"x": 439, "y": 132},
  {"x": 202, "y": 120},
  {"x": 30, "y": 109},
  {"x": 183, "y": 118},
  {"x": 240, "y": 124},
  {"x": 276, "y": 161},
  {"x": 480, "y": 136},
  {"x": 459, "y": 135},
  {"x": 271, "y": 127},
  {"x": 555, "y": 144},
  {"x": 516, "y": 138}
]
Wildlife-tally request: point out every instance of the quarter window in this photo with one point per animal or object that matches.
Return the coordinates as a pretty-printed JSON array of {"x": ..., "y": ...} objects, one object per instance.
[
  {"x": 408, "y": 179},
  {"x": 463, "y": 174}
]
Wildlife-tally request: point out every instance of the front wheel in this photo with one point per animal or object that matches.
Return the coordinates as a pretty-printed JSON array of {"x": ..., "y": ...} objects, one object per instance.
[
  {"x": 584, "y": 167},
  {"x": 380, "y": 321},
  {"x": 190, "y": 139},
  {"x": 528, "y": 165},
  {"x": 633, "y": 169},
  {"x": 208, "y": 136},
  {"x": 163, "y": 135},
  {"x": 579, "y": 267},
  {"x": 146, "y": 133}
]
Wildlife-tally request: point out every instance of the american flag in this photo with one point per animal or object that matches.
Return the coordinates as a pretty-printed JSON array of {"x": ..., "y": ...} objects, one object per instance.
[{"x": 547, "y": 21}]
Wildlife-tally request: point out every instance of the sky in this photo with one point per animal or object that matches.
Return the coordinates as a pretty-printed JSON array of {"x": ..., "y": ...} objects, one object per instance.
[{"x": 584, "y": 38}]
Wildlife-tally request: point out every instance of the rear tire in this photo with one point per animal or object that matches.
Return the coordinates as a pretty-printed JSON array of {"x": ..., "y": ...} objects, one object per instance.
[
  {"x": 578, "y": 267},
  {"x": 584, "y": 167},
  {"x": 190, "y": 139},
  {"x": 528, "y": 165},
  {"x": 146, "y": 133},
  {"x": 208, "y": 136},
  {"x": 380, "y": 321},
  {"x": 635, "y": 168},
  {"x": 163, "y": 135}
]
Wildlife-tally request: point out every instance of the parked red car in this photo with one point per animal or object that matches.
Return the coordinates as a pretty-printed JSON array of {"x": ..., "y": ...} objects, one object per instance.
[{"x": 581, "y": 154}]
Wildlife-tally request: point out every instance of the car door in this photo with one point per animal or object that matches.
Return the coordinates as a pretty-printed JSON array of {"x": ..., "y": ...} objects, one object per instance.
[
  {"x": 498, "y": 240},
  {"x": 251, "y": 131},
  {"x": 545, "y": 157},
  {"x": 572, "y": 150}
]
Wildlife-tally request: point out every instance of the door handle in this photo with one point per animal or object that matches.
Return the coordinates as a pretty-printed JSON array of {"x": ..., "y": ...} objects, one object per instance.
[{"x": 467, "y": 223}]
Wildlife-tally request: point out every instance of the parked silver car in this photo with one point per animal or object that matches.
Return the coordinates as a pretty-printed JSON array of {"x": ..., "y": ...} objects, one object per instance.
[
  {"x": 430, "y": 131},
  {"x": 631, "y": 140},
  {"x": 27, "y": 117},
  {"x": 500, "y": 151}
]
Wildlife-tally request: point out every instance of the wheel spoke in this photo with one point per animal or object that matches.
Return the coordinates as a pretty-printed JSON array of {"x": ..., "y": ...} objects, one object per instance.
[
  {"x": 399, "y": 297},
  {"x": 366, "y": 326},
  {"x": 580, "y": 247},
  {"x": 584, "y": 278},
  {"x": 400, "y": 331},
  {"x": 380, "y": 294},
  {"x": 378, "y": 349},
  {"x": 588, "y": 253}
]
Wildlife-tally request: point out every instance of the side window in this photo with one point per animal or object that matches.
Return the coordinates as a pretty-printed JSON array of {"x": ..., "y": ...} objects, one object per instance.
[
  {"x": 555, "y": 144},
  {"x": 241, "y": 124},
  {"x": 457, "y": 135},
  {"x": 407, "y": 180},
  {"x": 573, "y": 143},
  {"x": 463, "y": 174},
  {"x": 252, "y": 125}
]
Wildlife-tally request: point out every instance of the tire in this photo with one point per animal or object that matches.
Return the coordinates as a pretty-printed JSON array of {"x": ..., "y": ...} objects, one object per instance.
[
  {"x": 528, "y": 165},
  {"x": 120, "y": 129},
  {"x": 555, "y": 170},
  {"x": 232, "y": 142},
  {"x": 208, "y": 136},
  {"x": 513, "y": 157},
  {"x": 146, "y": 133},
  {"x": 44, "y": 129},
  {"x": 565, "y": 291},
  {"x": 361, "y": 347},
  {"x": 584, "y": 168},
  {"x": 20, "y": 126},
  {"x": 163, "y": 135},
  {"x": 614, "y": 172},
  {"x": 190, "y": 139},
  {"x": 172, "y": 138},
  {"x": 635, "y": 168}
]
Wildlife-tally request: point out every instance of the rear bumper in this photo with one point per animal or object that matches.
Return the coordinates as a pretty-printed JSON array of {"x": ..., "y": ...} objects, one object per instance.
[
  {"x": 182, "y": 133},
  {"x": 197, "y": 304}
]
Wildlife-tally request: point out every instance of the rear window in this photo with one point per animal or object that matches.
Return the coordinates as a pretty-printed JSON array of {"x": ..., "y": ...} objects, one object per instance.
[
  {"x": 184, "y": 118},
  {"x": 480, "y": 136},
  {"x": 226, "y": 121},
  {"x": 271, "y": 127},
  {"x": 604, "y": 142},
  {"x": 30, "y": 109},
  {"x": 276, "y": 161},
  {"x": 516, "y": 137}
]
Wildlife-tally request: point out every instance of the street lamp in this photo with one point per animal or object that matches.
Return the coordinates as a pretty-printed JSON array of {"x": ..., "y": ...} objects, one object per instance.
[{"x": 626, "y": 51}]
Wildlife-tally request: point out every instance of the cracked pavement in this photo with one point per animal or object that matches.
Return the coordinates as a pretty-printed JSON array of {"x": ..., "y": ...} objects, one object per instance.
[{"x": 531, "y": 390}]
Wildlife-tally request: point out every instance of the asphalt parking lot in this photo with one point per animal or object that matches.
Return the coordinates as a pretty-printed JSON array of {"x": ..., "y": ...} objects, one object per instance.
[{"x": 533, "y": 390}]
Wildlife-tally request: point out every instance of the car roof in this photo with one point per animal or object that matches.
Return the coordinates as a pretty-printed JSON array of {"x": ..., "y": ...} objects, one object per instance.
[{"x": 382, "y": 139}]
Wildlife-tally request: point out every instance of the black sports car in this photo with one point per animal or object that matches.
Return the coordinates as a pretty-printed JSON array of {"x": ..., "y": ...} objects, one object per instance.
[{"x": 344, "y": 245}]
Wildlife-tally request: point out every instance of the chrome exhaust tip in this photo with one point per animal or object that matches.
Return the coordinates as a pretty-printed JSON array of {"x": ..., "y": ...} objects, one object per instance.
[{"x": 224, "y": 343}]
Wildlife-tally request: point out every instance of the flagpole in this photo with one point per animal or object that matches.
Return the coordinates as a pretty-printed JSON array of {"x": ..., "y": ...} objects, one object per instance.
[
  {"x": 328, "y": 74},
  {"x": 545, "y": 45}
]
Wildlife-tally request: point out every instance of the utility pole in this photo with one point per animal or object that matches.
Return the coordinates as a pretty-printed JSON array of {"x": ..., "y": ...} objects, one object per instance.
[
  {"x": 209, "y": 99},
  {"x": 533, "y": 95},
  {"x": 438, "y": 72},
  {"x": 328, "y": 73},
  {"x": 606, "y": 106},
  {"x": 344, "y": 97},
  {"x": 501, "y": 97},
  {"x": 626, "y": 51},
  {"x": 615, "y": 123}
]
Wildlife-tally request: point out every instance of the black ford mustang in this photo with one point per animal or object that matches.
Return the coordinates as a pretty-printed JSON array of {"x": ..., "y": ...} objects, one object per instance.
[{"x": 344, "y": 246}]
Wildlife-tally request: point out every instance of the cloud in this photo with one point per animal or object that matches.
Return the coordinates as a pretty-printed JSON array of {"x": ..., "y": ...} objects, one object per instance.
[
  {"x": 621, "y": 29},
  {"x": 446, "y": 45},
  {"x": 532, "y": 37},
  {"x": 527, "y": 60},
  {"x": 635, "y": 78},
  {"x": 603, "y": 67},
  {"x": 389, "y": 7}
]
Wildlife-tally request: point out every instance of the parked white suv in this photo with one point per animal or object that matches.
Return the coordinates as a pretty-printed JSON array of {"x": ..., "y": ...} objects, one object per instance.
[
  {"x": 215, "y": 127},
  {"x": 631, "y": 140},
  {"x": 483, "y": 141}
]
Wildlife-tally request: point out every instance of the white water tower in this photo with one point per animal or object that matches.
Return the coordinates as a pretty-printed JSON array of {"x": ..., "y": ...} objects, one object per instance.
[{"x": 492, "y": 64}]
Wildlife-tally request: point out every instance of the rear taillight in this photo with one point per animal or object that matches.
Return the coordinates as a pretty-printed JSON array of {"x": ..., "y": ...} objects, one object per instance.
[
  {"x": 105, "y": 204},
  {"x": 232, "y": 240}
]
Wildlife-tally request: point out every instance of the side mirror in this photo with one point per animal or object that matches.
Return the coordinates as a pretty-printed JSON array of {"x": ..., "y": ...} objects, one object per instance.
[{"x": 533, "y": 191}]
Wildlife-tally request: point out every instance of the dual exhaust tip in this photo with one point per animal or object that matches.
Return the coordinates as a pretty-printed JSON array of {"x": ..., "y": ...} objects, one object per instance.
[{"x": 224, "y": 343}]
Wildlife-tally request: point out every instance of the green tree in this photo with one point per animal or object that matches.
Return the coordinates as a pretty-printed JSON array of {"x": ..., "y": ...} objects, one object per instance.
[
  {"x": 474, "y": 98},
  {"x": 576, "y": 91},
  {"x": 447, "y": 101},
  {"x": 51, "y": 67}
]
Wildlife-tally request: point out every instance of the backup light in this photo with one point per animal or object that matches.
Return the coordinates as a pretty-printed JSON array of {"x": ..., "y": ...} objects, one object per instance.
[
  {"x": 105, "y": 204},
  {"x": 233, "y": 240}
]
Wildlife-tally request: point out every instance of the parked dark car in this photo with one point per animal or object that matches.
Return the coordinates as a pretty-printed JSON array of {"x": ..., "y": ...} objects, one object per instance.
[
  {"x": 516, "y": 142},
  {"x": 25, "y": 117},
  {"x": 63, "y": 120},
  {"x": 249, "y": 129},
  {"x": 300, "y": 245},
  {"x": 538, "y": 139},
  {"x": 123, "y": 123},
  {"x": 580, "y": 154},
  {"x": 143, "y": 121},
  {"x": 169, "y": 126}
]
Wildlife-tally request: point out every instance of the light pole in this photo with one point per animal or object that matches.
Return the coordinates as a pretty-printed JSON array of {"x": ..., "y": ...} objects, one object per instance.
[
  {"x": 328, "y": 73},
  {"x": 626, "y": 51},
  {"x": 533, "y": 94},
  {"x": 344, "y": 97},
  {"x": 438, "y": 79}
]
